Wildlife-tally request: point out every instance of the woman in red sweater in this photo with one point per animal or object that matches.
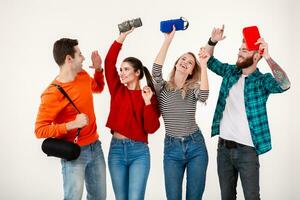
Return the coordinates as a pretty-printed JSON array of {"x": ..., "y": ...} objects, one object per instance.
[{"x": 133, "y": 114}]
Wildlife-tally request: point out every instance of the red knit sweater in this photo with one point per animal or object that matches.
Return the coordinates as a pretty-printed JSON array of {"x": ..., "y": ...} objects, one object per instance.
[{"x": 128, "y": 113}]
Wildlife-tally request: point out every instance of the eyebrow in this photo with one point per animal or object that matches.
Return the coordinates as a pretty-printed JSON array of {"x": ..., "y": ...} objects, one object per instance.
[{"x": 188, "y": 58}]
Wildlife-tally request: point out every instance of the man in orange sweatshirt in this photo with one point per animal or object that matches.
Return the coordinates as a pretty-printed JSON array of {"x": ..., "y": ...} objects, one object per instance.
[{"x": 58, "y": 118}]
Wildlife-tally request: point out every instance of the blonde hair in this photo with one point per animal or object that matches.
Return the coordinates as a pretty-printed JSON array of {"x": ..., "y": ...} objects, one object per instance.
[{"x": 191, "y": 82}]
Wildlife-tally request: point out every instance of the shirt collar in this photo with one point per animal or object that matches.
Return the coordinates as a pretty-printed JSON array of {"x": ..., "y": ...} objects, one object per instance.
[{"x": 252, "y": 75}]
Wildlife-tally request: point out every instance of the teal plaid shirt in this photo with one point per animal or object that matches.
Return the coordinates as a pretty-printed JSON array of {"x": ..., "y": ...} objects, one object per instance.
[{"x": 258, "y": 87}]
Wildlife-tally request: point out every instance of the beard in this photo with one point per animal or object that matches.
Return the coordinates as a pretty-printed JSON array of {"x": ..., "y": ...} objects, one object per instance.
[{"x": 247, "y": 62}]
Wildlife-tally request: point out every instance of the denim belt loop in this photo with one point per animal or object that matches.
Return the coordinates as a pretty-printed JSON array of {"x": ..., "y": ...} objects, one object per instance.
[
  {"x": 170, "y": 138},
  {"x": 193, "y": 136},
  {"x": 92, "y": 147},
  {"x": 131, "y": 142}
]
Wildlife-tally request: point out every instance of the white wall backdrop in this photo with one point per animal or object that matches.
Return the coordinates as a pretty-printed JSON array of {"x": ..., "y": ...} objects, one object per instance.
[{"x": 28, "y": 29}]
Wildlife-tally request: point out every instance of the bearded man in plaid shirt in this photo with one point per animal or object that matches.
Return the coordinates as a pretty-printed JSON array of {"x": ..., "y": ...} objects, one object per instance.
[{"x": 240, "y": 118}]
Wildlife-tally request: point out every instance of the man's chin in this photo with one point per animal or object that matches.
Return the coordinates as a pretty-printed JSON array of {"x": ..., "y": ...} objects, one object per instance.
[
  {"x": 239, "y": 64},
  {"x": 245, "y": 63}
]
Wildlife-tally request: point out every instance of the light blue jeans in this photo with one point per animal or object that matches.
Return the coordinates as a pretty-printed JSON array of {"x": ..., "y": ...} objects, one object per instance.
[
  {"x": 88, "y": 167},
  {"x": 185, "y": 153},
  {"x": 129, "y": 165}
]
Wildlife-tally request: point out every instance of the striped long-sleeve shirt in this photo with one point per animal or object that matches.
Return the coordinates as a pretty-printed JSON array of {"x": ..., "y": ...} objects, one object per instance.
[{"x": 178, "y": 113}]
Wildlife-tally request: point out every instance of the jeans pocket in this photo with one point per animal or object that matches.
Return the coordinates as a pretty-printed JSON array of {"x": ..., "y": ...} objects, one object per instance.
[
  {"x": 198, "y": 139},
  {"x": 140, "y": 145},
  {"x": 167, "y": 142},
  {"x": 115, "y": 147}
]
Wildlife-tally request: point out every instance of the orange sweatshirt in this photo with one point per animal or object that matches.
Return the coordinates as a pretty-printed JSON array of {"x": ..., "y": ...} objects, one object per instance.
[{"x": 55, "y": 110}]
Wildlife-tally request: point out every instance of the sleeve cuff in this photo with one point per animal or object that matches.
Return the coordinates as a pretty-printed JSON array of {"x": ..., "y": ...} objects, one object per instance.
[
  {"x": 99, "y": 71},
  {"x": 63, "y": 128},
  {"x": 118, "y": 44},
  {"x": 210, "y": 60}
]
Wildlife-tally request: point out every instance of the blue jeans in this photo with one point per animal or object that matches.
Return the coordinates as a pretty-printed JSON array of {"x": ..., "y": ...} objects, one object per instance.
[
  {"x": 88, "y": 167},
  {"x": 129, "y": 165},
  {"x": 182, "y": 153},
  {"x": 241, "y": 160}
]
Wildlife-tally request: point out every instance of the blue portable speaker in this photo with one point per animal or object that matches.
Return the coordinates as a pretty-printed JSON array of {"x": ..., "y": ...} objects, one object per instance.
[{"x": 180, "y": 24}]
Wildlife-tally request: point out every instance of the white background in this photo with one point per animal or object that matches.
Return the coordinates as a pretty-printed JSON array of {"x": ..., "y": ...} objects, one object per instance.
[{"x": 30, "y": 27}]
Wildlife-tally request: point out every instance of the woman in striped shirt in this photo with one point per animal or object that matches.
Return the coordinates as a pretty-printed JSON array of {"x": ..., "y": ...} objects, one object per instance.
[{"x": 184, "y": 146}]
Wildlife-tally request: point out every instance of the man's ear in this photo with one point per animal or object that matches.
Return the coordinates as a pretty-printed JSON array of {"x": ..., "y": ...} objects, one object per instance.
[
  {"x": 256, "y": 57},
  {"x": 68, "y": 59}
]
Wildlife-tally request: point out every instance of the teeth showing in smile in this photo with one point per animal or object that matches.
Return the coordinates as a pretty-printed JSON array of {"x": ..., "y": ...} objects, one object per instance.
[{"x": 185, "y": 67}]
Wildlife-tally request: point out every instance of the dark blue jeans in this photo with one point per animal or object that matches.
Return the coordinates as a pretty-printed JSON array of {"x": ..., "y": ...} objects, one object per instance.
[
  {"x": 129, "y": 166},
  {"x": 242, "y": 161},
  {"x": 185, "y": 153}
]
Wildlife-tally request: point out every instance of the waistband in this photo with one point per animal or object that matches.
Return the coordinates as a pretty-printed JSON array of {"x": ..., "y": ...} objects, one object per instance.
[
  {"x": 229, "y": 144},
  {"x": 184, "y": 138},
  {"x": 92, "y": 145},
  {"x": 124, "y": 141}
]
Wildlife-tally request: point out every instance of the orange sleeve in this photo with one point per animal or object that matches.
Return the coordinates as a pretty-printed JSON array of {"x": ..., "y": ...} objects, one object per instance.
[
  {"x": 98, "y": 82},
  {"x": 49, "y": 108}
]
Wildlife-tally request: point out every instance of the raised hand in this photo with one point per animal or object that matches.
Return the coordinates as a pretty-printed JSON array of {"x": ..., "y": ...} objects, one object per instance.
[
  {"x": 161, "y": 56},
  {"x": 203, "y": 57},
  {"x": 263, "y": 48},
  {"x": 147, "y": 94},
  {"x": 217, "y": 34},
  {"x": 123, "y": 35},
  {"x": 170, "y": 36},
  {"x": 96, "y": 60}
]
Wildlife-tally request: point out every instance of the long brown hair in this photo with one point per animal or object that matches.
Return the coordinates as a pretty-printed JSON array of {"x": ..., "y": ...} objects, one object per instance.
[
  {"x": 191, "y": 82},
  {"x": 138, "y": 65}
]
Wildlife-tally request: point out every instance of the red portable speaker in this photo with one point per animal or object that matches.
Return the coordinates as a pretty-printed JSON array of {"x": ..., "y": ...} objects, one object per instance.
[{"x": 251, "y": 35}]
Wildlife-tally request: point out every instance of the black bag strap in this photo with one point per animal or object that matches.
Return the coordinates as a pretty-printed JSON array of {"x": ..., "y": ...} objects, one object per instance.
[
  {"x": 66, "y": 95},
  {"x": 70, "y": 100}
]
